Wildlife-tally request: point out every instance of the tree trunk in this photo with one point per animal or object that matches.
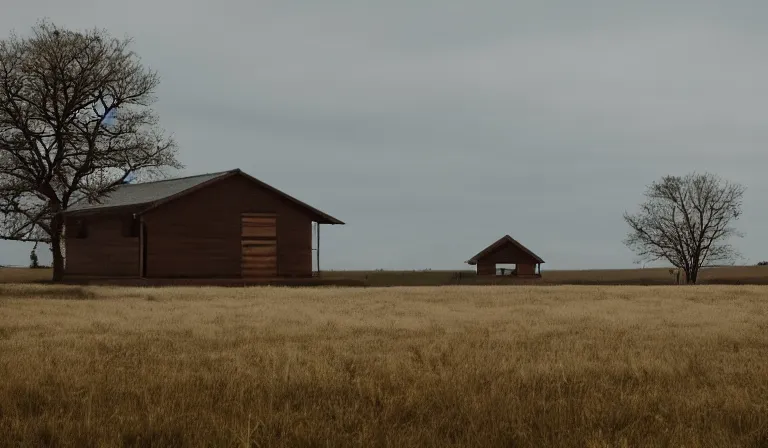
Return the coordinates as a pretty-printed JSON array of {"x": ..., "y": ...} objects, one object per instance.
[
  {"x": 57, "y": 229},
  {"x": 692, "y": 276}
]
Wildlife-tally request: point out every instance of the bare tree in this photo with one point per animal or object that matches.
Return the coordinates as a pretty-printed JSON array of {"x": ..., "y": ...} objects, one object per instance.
[
  {"x": 687, "y": 221},
  {"x": 59, "y": 92}
]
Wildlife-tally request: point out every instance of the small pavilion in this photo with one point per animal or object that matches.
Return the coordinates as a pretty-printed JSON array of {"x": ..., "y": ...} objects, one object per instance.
[{"x": 507, "y": 250}]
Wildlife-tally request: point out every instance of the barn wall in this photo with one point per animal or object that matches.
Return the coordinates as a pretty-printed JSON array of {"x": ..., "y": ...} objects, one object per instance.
[
  {"x": 105, "y": 251},
  {"x": 198, "y": 235},
  {"x": 486, "y": 268},
  {"x": 526, "y": 269},
  {"x": 509, "y": 254}
]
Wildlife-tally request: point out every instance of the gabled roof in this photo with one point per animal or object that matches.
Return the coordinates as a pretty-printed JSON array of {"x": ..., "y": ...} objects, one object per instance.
[
  {"x": 144, "y": 193},
  {"x": 149, "y": 195},
  {"x": 503, "y": 241}
]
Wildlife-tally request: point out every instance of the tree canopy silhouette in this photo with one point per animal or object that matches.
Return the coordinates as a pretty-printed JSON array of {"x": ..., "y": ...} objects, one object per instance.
[
  {"x": 75, "y": 122},
  {"x": 687, "y": 221}
]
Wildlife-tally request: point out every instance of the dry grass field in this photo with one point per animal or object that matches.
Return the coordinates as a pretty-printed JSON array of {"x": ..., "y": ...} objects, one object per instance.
[
  {"x": 24, "y": 275},
  {"x": 755, "y": 275},
  {"x": 581, "y": 366},
  {"x": 652, "y": 276}
]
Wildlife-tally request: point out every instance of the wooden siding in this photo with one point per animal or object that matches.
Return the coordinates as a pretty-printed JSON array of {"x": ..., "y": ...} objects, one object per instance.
[
  {"x": 508, "y": 254},
  {"x": 526, "y": 269},
  {"x": 294, "y": 243},
  {"x": 489, "y": 268},
  {"x": 258, "y": 225},
  {"x": 484, "y": 268},
  {"x": 105, "y": 251},
  {"x": 199, "y": 235},
  {"x": 258, "y": 239}
]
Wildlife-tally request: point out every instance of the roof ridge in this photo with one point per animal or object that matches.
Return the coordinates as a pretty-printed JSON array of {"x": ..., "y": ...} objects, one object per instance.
[
  {"x": 154, "y": 194},
  {"x": 216, "y": 173},
  {"x": 500, "y": 242}
]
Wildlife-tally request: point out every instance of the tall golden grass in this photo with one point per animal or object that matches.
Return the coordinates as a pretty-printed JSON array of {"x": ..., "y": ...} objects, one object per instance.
[
  {"x": 24, "y": 275},
  {"x": 652, "y": 276},
  {"x": 579, "y": 366}
]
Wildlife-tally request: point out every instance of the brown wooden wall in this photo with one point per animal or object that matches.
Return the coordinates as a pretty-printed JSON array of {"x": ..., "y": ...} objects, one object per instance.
[
  {"x": 489, "y": 268},
  {"x": 526, "y": 269},
  {"x": 105, "y": 251},
  {"x": 486, "y": 268},
  {"x": 199, "y": 234},
  {"x": 258, "y": 243},
  {"x": 509, "y": 254}
]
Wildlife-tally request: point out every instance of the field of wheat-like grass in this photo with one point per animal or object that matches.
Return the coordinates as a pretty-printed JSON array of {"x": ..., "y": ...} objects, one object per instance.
[
  {"x": 731, "y": 275},
  {"x": 581, "y": 366}
]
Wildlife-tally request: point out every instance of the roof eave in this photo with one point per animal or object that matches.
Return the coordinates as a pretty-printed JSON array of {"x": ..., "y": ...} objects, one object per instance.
[
  {"x": 319, "y": 217},
  {"x": 326, "y": 218},
  {"x": 330, "y": 220},
  {"x": 153, "y": 205},
  {"x": 505, "y": 239},
  {"x": 106, "y": 209}
]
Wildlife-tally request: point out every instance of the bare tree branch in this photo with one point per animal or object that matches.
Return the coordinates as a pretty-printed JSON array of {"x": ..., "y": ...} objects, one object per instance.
[
  {"x": 687, "y": 221},
  {"x": 57, "y": 89}
]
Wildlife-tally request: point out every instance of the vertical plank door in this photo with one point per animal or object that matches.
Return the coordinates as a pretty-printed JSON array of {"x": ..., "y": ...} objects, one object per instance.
[{"x": 259, "y": 245}]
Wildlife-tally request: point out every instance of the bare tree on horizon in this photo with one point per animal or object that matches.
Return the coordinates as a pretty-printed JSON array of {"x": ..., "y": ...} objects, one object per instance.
[
  {"x": 687, "y": 221},
  {"x": 59, "y": 139}
]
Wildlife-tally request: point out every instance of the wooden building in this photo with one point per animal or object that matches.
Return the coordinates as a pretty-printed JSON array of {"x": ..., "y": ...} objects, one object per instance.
[
  {"x": 507, "y": 251},
  {"x": 212, "y": 226}
]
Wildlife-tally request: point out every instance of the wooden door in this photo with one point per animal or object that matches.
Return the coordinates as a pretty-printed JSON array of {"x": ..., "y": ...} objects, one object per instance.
[{"x": 259, "y": 245}]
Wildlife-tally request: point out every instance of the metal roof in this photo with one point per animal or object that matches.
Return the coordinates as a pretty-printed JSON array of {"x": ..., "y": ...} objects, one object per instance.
[
  {"x": 149, "y": 195},
  {"x": 144, "y": 193}
]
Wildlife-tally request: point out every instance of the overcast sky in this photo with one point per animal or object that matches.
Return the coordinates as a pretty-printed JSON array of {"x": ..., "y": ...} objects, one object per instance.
[{"x": 434, "y": 128}]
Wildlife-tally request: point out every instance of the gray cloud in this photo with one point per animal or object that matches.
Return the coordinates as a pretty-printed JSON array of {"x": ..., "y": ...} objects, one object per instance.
[{"x": 433, "y": 128}]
